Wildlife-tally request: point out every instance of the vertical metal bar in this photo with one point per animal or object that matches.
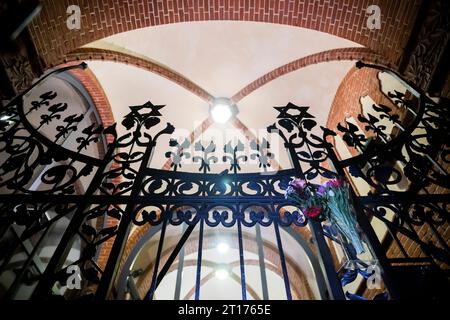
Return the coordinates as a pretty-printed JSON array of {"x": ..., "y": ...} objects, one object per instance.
[
  {"x": 27, "y": 247},
  {"x": 368, "y": 231},
  {"x": 132, "y": 288},
  {"x": 12, "y": 291},
  {"x": 11, "y": 249},
  {"x": 176, "y": 295},
  {"x": 397, "y": 241},
  {"x": 376, "y": 247},
  {"x": 112, "y": 265},
  {"x": 262, "y": 264},
  {"x": 173, "y": 255},
  {"x": 151, "y": 291},
  {"x": 63, "y": 248},
  {"x": 325, "y": 259},
  {"x": 283, "y": 261},
  {"x": 199, "y": 261},
  {"x": 326, "y": 262},
  {"x": 3, "y": 226},
  {"x": 241, "y": 260},
  {"x": 59, "y": 255},
  {"x": 437, "y": 235}
]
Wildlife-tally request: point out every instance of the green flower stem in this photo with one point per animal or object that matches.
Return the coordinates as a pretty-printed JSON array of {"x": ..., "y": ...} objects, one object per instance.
[{"x": 342, "y": 216}]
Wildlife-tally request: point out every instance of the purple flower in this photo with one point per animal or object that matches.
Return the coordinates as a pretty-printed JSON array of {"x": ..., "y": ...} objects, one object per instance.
[
  {"x": 335, "y": 183},
  {"x": 297, "y": 183},
  {"x": 321, "y": 191}
]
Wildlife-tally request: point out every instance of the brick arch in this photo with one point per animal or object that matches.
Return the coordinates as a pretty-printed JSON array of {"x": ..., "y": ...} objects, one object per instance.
[
  {"x": 112, "y": 55},
  {"x": 357, "y": 83},
  {"x": 90, "y": 82},
  {"x": 353, "y": 53},
  {"x": 343, "y": 18},
  {"x": 363, "y": 54}
]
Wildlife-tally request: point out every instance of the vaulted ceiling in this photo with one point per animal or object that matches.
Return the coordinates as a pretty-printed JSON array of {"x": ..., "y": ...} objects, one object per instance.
[{"x": 257, "y": 65}]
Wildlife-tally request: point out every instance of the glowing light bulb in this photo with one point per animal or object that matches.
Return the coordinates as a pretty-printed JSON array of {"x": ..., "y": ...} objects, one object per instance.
[
  {"x": 221, "y": 113},
  {"x": 223, "y": 247},
  {"x": 221, "y": 274}
]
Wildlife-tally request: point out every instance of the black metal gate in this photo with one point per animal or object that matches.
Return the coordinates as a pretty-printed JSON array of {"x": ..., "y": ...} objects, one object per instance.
[{"x": 100, "y": 198}]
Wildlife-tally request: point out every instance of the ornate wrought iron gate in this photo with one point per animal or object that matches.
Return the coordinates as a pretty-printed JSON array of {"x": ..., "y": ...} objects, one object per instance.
[{"x": 100, "y": 198}]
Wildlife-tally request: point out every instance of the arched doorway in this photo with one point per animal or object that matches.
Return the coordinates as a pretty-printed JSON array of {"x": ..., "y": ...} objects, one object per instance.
[{"x": 264, "y": 275}]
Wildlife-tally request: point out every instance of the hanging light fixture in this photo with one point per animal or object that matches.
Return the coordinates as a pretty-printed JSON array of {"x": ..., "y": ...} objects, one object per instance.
[
  {"x": 221, "y": 274},
  {"x": 223, "y": 247},
  {"x": 222, "y": 110}
]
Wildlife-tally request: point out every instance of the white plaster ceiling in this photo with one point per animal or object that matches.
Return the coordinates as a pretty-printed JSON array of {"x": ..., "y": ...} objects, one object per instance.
[
  {"x": 222, "y": 57},
  {"x": 128, "y": 85}
]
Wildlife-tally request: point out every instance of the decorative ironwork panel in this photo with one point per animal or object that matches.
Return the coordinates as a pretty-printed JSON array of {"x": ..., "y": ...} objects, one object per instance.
[
  {"x": 408, "y": 177},
  {"x": 45, "y": 183}
]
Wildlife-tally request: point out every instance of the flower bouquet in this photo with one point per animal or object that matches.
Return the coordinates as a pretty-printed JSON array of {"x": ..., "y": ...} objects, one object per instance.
[
  {"x": 303, "y": 195},
  {"x": 327, "y": 201}
]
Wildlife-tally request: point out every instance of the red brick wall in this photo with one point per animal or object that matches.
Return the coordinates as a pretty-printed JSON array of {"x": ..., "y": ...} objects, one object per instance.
[
  {"x": 344, "y": 18},
  {"x": 95, "y": 90},
  {"x": 356, "y": 84},
  {"x": 424, "y": 231},
  {"x": 98, "y": 96},
  {"x": 133, "y": 239}
]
